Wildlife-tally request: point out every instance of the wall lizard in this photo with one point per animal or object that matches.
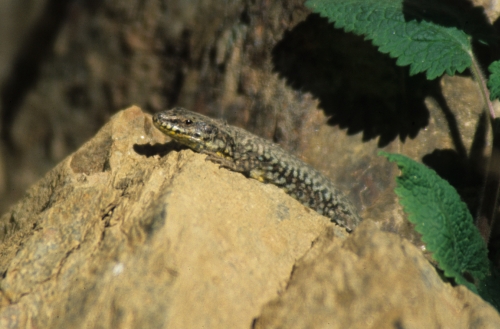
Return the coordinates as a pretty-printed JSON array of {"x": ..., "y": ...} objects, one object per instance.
[{"x": 238, "y": 150}]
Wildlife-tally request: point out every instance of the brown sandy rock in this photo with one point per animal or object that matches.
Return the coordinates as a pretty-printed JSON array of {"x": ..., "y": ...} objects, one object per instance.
[
  {"x": 130, "y": 232},
  {"x": 118, "y": 237},
  {"x": 373, "y": 279}
]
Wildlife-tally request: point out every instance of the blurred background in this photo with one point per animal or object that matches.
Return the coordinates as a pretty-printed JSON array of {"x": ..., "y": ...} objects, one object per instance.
[{"x": 67, "y": 65}]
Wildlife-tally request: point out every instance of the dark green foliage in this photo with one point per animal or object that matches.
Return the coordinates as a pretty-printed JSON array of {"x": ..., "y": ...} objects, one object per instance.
[
  {"x": 444, "y": 221},
  {"x": 494, "y": 81},
  {"x": 489, "y": 288},
  {"x": 400, "y": 29}
]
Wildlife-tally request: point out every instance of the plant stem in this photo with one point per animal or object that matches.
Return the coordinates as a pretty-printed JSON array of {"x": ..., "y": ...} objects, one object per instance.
[
  {"x": 485, "y": 219},
  {"x": 478, "y": 75}
]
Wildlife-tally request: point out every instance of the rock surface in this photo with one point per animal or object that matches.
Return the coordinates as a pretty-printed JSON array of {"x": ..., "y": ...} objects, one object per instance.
[
  {"x": 132, "y": 232},
  {"x": 373, "y": 279},
  {"x": 116, "y": 238}
]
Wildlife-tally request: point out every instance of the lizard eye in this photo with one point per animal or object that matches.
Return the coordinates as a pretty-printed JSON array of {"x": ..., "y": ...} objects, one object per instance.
[
  {"x": 188, "y": 122},
  {"x": 197, "y": 135}
]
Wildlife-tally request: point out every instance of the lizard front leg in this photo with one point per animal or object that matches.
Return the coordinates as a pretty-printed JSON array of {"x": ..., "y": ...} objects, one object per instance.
[
  {"x": 247, "y": 164},
  {"x": 227, "y": 163}
]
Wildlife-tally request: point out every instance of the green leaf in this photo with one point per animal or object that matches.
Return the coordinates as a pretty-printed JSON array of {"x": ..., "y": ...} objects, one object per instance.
[
  {"x": 443, "y": 220},
  {"x": 494, "y": 81},
  {"x": 405, "y": 30}
]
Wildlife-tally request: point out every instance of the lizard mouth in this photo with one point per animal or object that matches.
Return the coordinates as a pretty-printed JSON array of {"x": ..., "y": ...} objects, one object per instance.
[{"x": 178, "y": 134}]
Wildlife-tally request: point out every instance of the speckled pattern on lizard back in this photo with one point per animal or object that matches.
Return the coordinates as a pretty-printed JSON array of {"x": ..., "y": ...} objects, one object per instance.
[{"x": 238, "y": 150}]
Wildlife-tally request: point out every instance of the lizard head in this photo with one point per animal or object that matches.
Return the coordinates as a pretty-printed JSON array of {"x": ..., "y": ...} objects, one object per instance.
[{"x": 194, "y": 130}]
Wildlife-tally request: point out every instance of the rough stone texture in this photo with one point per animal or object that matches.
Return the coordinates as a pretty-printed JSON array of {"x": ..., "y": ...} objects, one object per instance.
[
  {"x": 118, "y": 237},
  {"x": 133, "y": 232},
  {"x": 373, "y": 279}
]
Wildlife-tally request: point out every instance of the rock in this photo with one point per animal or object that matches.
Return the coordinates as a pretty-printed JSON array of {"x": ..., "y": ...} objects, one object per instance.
[
  {"x": 373, "y": 279},
  {"x": 117, "y": 236},
  {"x": 133, "y": 232}
]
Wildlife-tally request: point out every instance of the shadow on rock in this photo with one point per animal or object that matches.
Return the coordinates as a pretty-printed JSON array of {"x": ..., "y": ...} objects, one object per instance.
[
  {"x": 360, "y": 89},
  {"x": 150, "y": 150}
]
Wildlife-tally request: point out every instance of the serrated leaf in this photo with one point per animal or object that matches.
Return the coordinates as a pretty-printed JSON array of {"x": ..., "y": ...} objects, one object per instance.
[
  {"x": 397, "y": 27},
  {"x": 494, "y": 81},
  {"x": 444, "y": 221}
]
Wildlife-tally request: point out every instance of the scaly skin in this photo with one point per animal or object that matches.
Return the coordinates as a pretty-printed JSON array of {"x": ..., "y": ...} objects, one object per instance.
[{"x": 255, "y": 157}]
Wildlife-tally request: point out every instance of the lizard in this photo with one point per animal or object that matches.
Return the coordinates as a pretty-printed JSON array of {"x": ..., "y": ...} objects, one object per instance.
[{"x": 241, "y": 151}]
